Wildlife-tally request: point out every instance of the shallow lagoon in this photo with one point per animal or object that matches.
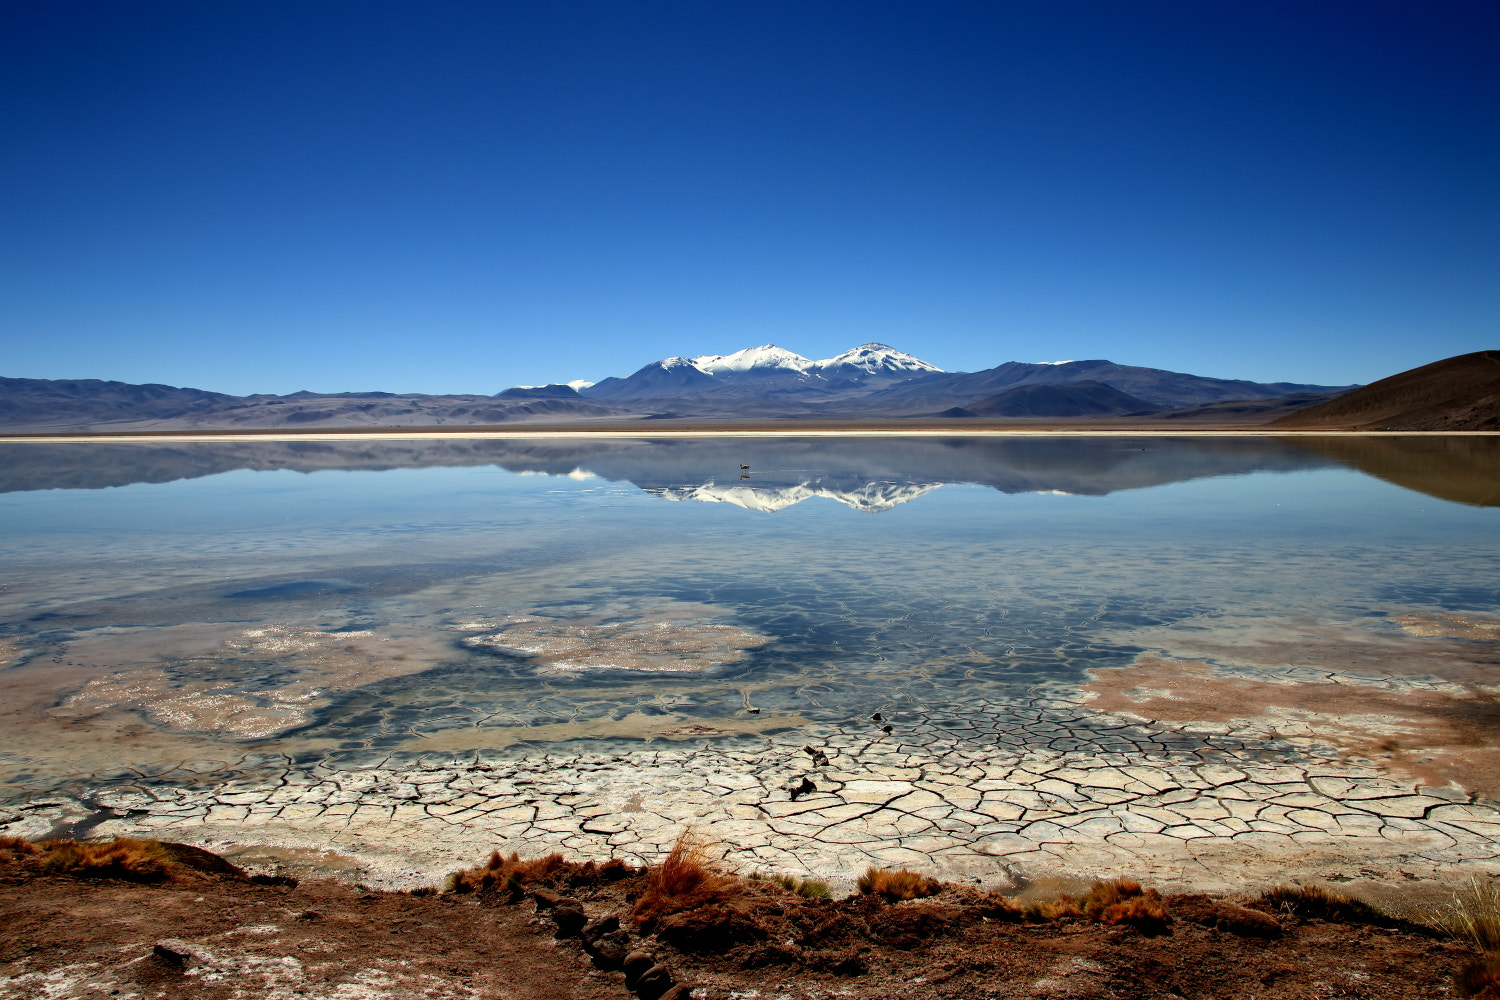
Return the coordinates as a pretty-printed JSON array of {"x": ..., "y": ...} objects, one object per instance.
[{"x": 179, "y": 616}]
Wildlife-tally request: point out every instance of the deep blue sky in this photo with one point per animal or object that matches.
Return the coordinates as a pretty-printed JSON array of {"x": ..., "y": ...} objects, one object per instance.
[{"x": 436, "y": 196}]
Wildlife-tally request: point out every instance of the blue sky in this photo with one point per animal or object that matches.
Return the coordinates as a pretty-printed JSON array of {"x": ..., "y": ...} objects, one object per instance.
[{"x": 456, "y": 197}]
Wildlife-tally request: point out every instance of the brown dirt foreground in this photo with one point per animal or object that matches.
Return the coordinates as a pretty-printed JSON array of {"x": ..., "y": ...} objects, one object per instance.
[{"x": 140, "y": 919}]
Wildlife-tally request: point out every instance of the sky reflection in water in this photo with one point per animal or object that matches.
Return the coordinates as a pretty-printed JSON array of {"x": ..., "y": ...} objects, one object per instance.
[{"x": 455, "y": 596}]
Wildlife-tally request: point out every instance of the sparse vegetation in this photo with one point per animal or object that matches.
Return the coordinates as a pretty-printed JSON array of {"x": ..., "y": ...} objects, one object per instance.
[
  {"x": 131, "y": 860},
  {"x": 806, "y": 888},
  {"x": 1316, "y": 902},
  {"x": 685, "y": 880},
  {"x": 1474, "y": 977},
  {"x": 689, "y": 912},
  {"x": 15, "y": 848},
  {"x": 511, "y": 875},
  {"x": 1474, "y": 917},
  {"x": 898, "y": 885},
  {"x": 119, "y": 858},
  {"x": 1118, "y": 901}
]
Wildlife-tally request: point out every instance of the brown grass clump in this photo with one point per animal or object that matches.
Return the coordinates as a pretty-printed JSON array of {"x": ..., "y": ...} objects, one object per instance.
[
  {"x": 119, "y": 858},
  {"x": 509, "y": 874},
  {"x": 1481, "y": 977},
  {"x": 685, "y": 880},
  {"x": 1315, "y": 902},
  {"x": 1474, "y": 916},
  {"x": 1118, "y": 901},
  {"x": 806, "y": 888},
  {"x": 122, "y": 858},
  {"x": 898, "y": 885},
  {"x": 17, "y": 848}
]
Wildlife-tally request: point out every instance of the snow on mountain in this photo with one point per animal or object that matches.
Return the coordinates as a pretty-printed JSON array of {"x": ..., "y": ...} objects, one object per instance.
[
  {"x": 764, "y": 356},
  {"x": 766, "y": 370},
  {"x": 579, "y": 383},
  {"x": 876, "y": 358}
]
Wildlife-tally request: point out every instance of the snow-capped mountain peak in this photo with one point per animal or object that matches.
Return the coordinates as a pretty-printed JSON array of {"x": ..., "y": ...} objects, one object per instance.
[
  {"x": 764, "y": 356},
  {"x": 873, "y": 357},
  {"x": 681, "y": 362}
]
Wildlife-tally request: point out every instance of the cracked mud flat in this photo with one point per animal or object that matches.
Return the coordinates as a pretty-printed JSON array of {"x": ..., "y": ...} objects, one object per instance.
[
  {"x": 1066, "y": 700},
  {"x": 997, "y": 792}
]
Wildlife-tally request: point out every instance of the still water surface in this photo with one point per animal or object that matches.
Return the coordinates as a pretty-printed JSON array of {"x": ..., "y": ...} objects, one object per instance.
[{"x": 166, "y": 604}]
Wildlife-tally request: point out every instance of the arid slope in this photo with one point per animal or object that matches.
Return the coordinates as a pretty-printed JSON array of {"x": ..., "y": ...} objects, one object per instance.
[{"x": 1458, "y": 394}]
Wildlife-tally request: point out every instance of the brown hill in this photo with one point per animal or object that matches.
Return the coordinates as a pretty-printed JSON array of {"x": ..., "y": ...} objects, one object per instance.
[{"x": 1457, "y": 394}]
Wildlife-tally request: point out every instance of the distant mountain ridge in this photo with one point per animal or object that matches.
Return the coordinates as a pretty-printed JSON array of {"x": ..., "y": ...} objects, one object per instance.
[
  {"x": 875, "y": 379},
  {"x": 763, "y": 370},
  {"x": 871, "y": 381},
  {"x": 80, "y": 405}
]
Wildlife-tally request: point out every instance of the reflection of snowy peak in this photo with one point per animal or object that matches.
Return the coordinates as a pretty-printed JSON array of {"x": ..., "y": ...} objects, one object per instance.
[{"x": 872, "y": 498}]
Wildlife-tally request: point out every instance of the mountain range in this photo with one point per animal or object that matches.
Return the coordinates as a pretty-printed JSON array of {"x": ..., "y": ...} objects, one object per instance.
[
  {"x": 870, "y": 382},
  {"x": 875, "y": 379}
]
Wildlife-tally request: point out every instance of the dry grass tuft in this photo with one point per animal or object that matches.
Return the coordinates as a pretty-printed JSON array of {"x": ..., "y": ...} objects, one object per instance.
[
  {"x": 1316, "y": 902},
  {"x": 511, "y": 875},
  {"x": 806, "y": 888},
  {"x": 1474, "y": 977},
  {"x": 685, "y": 880},
  {"x": 131, "y": 860},
  {"x": 17, "y": 848},
  {"x": 508, "y": 873},
  {"x": 121, "y": 858},
  {"x": 1118, "y": 901},
  {"x": 897, "y": 885},
  {"x": 1474, "y": 916}
]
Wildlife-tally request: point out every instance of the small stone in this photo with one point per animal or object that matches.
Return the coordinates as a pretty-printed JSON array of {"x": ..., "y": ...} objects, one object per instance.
[
  {"x": 546, "y": 899},
  {"x": 654, "y": 983},
  {"x": 800, "y": 786},
  {"x": 636, "y": 963},
  {"x": 887, "y": 728},
  {"x": 609, "y": 950},
  {"x": 598, "y": 926},
  {"x": 174, "y": 953},
  {"x": 569, "y": 919}
]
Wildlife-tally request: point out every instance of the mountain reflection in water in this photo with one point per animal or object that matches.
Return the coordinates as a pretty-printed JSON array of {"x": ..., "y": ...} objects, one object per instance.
[{"x": 870, "y": 474}]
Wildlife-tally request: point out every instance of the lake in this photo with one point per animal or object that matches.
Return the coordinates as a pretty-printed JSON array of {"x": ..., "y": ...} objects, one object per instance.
[{"x": 590, "y": 643}]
